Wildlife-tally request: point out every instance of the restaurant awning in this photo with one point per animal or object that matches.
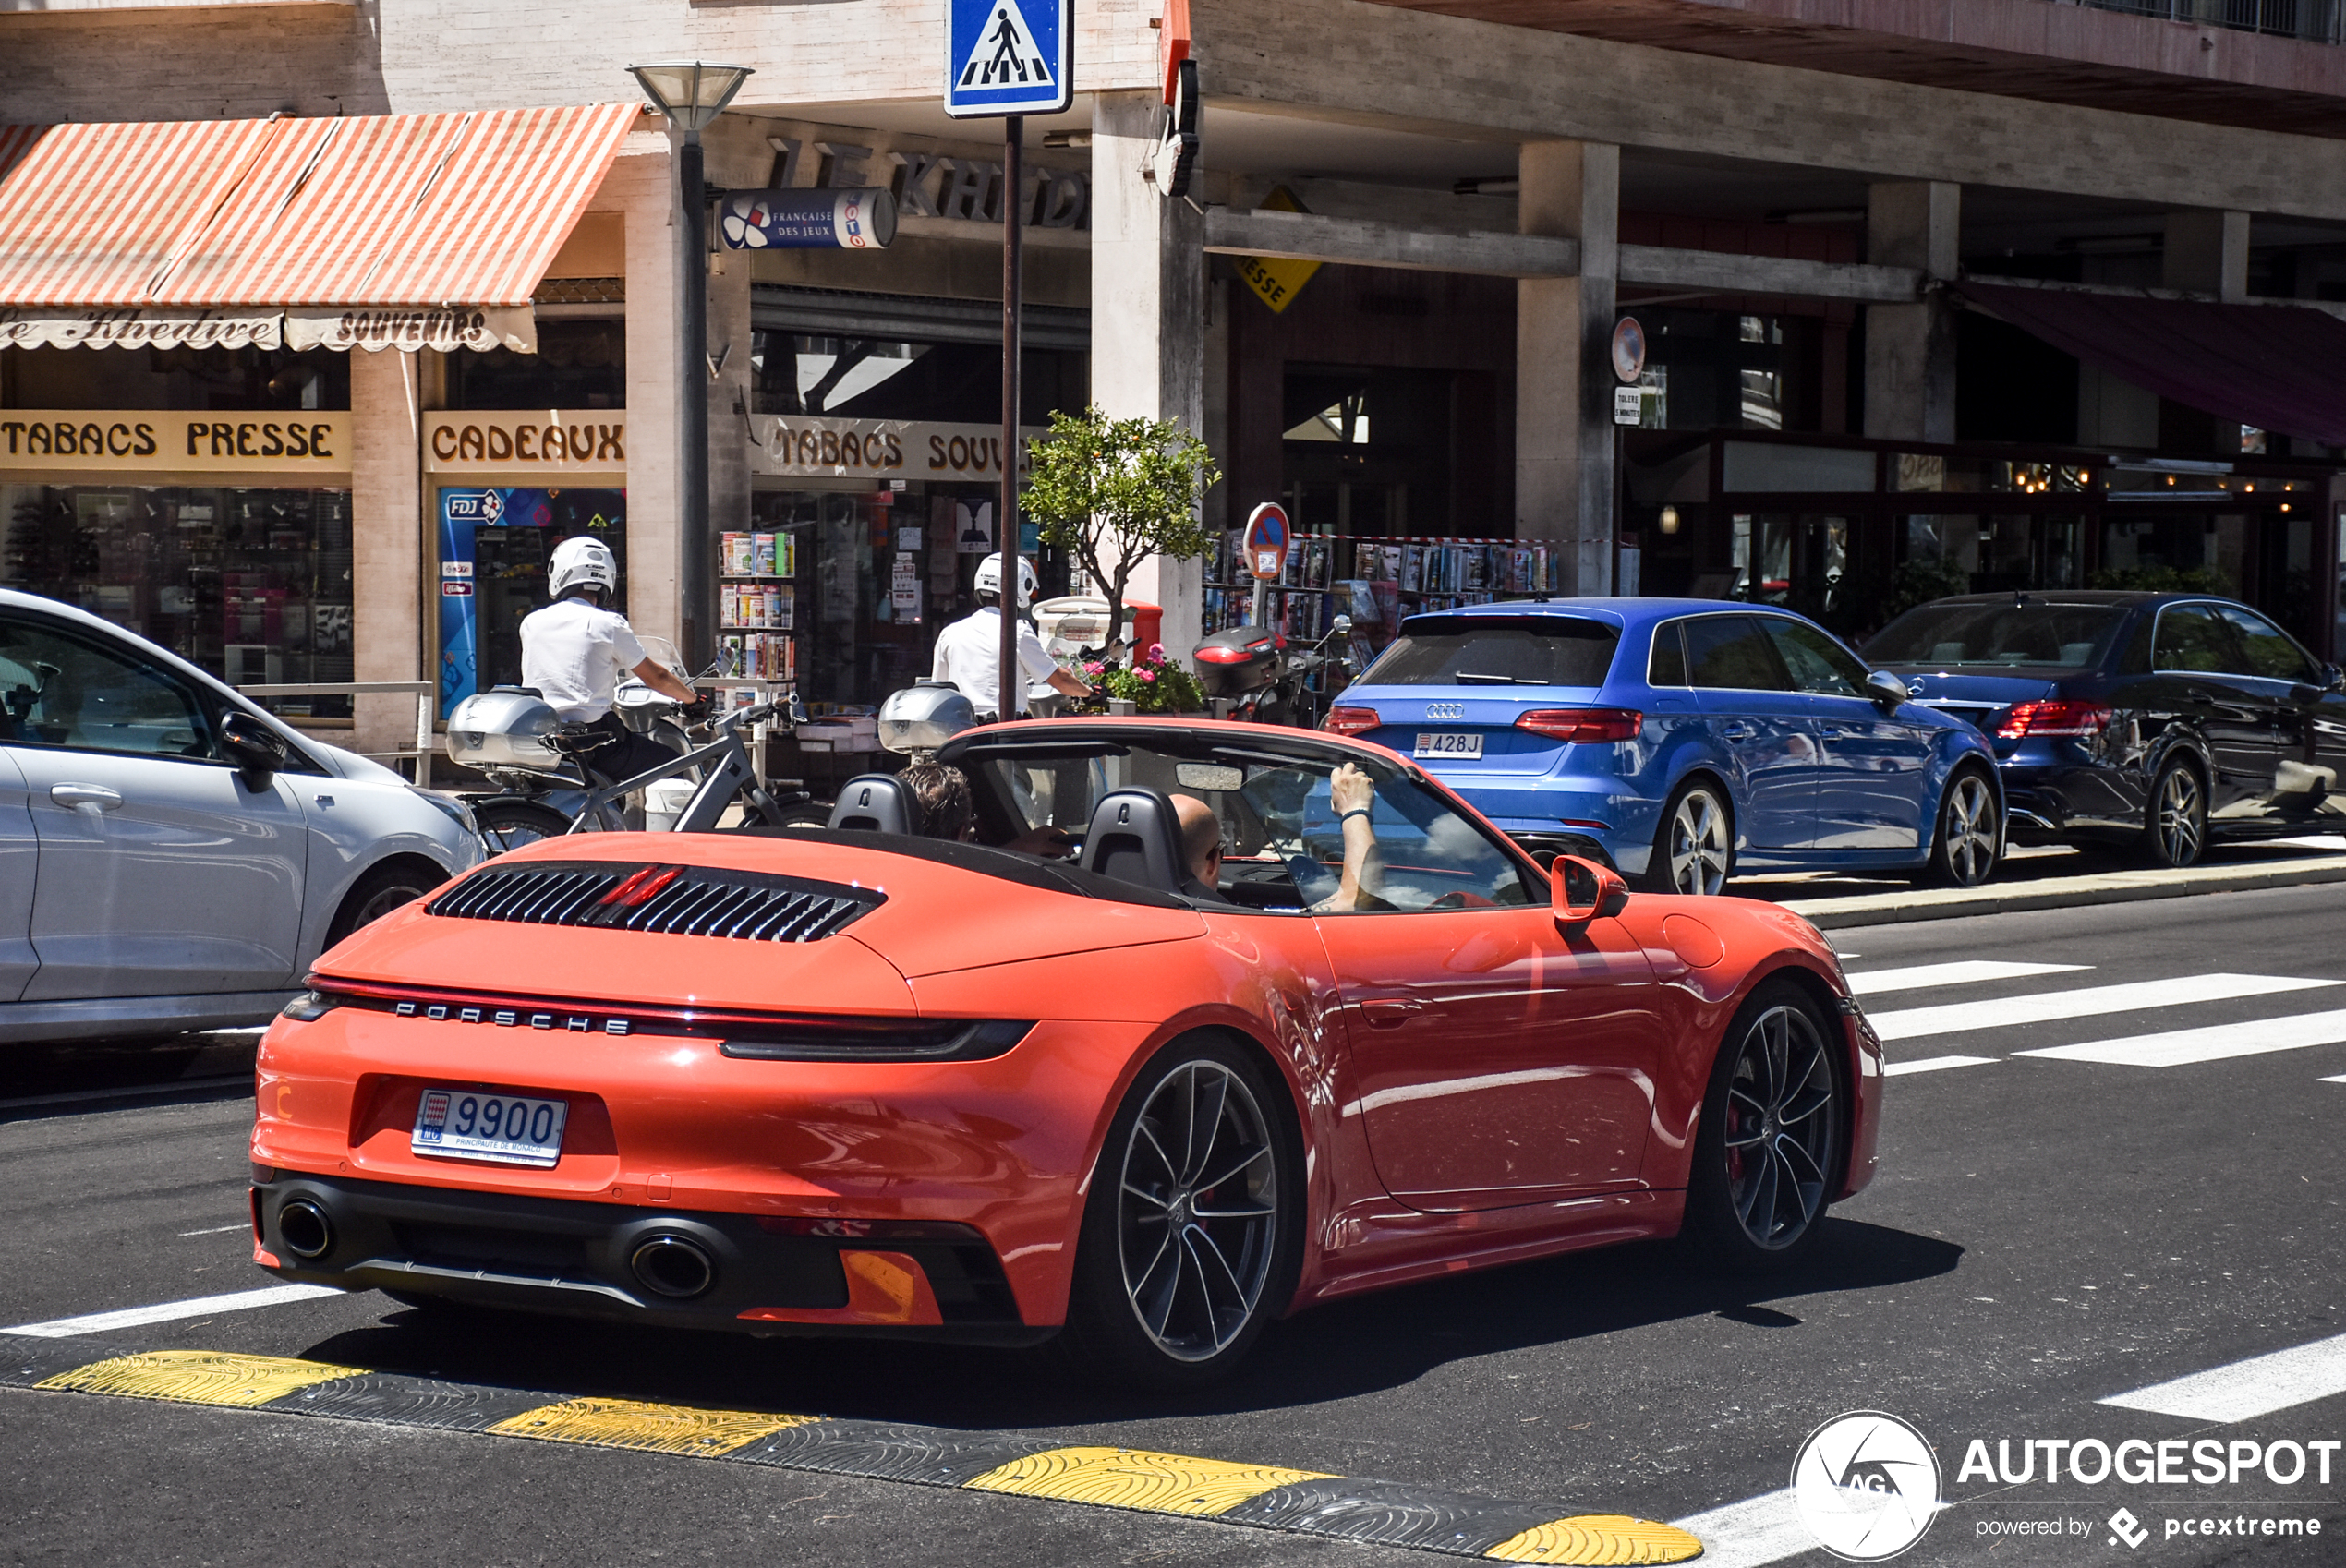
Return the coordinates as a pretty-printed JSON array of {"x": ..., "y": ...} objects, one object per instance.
[
  {"x": 376, "y": 231},
  {"x": 2279, "y": 367}
]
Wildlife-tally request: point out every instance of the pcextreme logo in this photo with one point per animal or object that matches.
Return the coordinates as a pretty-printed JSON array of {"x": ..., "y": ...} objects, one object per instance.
[{"x": 1867, "y": 1486}]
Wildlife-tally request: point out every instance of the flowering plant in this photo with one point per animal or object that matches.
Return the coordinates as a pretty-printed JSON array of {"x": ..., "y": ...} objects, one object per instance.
[{"x": 1152, "y": 683}]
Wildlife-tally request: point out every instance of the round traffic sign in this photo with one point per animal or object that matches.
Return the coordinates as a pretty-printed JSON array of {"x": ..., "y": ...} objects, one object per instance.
[{"x": 1629, "y": 350}]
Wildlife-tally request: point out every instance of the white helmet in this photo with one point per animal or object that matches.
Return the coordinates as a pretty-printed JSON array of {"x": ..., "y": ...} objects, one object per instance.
[
  {"x": 989, "y": 578},
  {"x": 581, "y": 562}
]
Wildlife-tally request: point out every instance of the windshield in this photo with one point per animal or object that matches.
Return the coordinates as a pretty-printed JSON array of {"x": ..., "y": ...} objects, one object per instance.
[
  {"x": 1545, "y": 650},
  {"x": 2073, "y": 637},
  {"x": 1283, "y": 842}
]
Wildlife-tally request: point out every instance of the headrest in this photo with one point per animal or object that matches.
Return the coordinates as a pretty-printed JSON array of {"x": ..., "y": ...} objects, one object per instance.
[
  {"x": 1135, "y": 838},
  {"x": 875, "y": 802}
]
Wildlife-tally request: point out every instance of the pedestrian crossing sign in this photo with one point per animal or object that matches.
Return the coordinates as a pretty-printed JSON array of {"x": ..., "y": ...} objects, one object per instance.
[{"x": 1008, "y": 57}]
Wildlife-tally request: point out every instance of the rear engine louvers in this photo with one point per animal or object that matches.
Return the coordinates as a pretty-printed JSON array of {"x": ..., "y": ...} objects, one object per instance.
[{"x": 680, "y": 901}]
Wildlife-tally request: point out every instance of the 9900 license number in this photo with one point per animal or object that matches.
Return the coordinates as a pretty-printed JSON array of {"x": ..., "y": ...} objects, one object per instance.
[{"x": 511, "y": 1128}]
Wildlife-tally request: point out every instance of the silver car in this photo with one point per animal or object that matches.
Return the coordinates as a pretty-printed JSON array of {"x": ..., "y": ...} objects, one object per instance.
[{"x": 170, "y": 856}]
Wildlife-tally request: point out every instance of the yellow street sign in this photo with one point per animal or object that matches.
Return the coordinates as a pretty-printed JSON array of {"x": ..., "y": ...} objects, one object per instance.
[{"x": 1274, "y": 281}]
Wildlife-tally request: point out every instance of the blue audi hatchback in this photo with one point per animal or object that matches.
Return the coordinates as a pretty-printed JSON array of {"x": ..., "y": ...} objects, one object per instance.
[{"x": 1681, "y": 740}]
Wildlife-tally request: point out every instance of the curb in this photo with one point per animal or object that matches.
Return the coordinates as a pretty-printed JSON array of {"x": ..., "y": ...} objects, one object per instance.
[
  {"x": 2068, "y": 892},
  {"x": 1304, "y": 1502}
]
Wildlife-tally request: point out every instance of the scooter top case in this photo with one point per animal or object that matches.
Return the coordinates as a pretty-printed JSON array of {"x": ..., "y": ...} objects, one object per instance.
[
  {"x": 1241, "y": 659},
  {"x": 506, "y": 727}
]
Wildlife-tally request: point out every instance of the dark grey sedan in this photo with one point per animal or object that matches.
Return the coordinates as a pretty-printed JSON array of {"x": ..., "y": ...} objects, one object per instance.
[{"x": 2162, "y": 720}]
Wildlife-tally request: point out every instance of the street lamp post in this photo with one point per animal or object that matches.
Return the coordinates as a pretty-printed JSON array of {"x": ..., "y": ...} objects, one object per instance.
[{"x": 692, "y": 95}]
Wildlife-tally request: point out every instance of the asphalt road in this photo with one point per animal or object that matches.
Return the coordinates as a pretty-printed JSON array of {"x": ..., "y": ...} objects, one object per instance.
[{"x": 2046, "y": 1233}]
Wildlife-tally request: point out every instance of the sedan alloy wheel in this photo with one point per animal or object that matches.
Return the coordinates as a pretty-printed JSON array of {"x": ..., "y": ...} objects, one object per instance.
[
  {"x": 1696, "y": 848},
  {"x": 2177, "y": 816}
]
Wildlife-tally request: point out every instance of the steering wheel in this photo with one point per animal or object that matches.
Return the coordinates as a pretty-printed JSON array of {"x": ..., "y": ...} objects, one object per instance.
[{"x": 1463, "y": 899}]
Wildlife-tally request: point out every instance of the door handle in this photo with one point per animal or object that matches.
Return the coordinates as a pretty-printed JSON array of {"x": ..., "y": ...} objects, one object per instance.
[
  {"x": 1737, "y": 732},
  {"x": 1389, "y": 1012},
  {"x": 93, "y": 797}
]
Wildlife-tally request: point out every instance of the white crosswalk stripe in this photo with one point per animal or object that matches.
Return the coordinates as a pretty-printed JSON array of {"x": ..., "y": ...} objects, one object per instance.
[
  {"x": 172, "y": 1311},
  {"x": 1757, "y": 1530},
  {"x": 1880, "y": 982},
  {"x": 1934, "y": 1064},
  {"x": 2007, "y": 1012},
  {"x": 2180, "y": 1047},
  {"x": 2245, "y": 1389}
]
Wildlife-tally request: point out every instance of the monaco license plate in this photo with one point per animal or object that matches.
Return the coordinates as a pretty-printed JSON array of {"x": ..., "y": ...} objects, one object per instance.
[
  {"x": 1448, "y": 744},
  {"x": 471, "y": 1124}
]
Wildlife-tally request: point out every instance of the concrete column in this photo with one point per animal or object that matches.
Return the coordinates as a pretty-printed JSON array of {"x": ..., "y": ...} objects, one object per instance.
[
  {"x": 2207, "y": 253},
  {"x": 1563, "y": 439},
  {"x": 1910, "y": 349},
  {"x": 1148, "y": 319},
  {"x": 640, "y": 179},
  {"x": 387, "y": 540}
]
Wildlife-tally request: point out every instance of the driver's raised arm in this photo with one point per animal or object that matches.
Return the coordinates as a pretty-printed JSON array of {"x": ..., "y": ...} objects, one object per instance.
[{"x": 1352, "y": 794}]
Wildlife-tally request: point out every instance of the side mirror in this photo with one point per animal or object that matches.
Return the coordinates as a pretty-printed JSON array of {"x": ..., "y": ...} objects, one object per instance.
[
  {"x": 1340, "y": 625},
  {"x": 2333, "y": 678},
  {"x": 1581, "y": 890},
  {"x": 1886, "y": 690},
  {"x": 251, "y": 744}
]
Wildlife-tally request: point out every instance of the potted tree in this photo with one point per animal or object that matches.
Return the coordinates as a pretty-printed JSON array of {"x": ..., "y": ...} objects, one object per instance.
[{"x": 1111, "y": 493}]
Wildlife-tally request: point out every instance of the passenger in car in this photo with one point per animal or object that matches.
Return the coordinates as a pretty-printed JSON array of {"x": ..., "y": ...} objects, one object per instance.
[
  {"x": 1351, "y": 793},
  {"x": 941, "y": 794}
]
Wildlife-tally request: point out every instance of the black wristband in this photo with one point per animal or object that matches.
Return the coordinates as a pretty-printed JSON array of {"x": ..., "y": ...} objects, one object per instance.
[{"x": 1344, "y": 817}]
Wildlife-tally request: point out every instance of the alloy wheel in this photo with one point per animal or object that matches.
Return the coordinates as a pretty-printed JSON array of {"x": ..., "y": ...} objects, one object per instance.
[
  {"x": 395, "y": 897},
  {"x": 1198, "y": 1210},
  {"x": 2179, "y": 808},
  {"x": 1779, "y": 1128},
  {"x": 1698, "y": 844},
  {"x": 1969, "y": 830}
]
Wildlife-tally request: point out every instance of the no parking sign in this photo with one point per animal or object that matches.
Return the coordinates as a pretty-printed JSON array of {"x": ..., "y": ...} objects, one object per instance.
[{"x": 1265, "y": 541}]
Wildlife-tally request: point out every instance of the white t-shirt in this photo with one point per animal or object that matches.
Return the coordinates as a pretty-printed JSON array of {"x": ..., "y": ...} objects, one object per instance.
[
  {"x": 574, "y": 653},
  {"x": 969, "y": 653}
]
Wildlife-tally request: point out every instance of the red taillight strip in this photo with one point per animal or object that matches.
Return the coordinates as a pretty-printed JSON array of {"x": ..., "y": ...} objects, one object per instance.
[
  {"x": 1583, "y": 724},
  {"x": 2054, "y": 717},
  {"x": 698, "y": 1017},
  {"x": 1351, "y": 720}
]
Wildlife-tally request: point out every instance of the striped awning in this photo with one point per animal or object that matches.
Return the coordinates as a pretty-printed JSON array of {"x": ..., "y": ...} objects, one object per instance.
[{"x": 376, "y": 231}]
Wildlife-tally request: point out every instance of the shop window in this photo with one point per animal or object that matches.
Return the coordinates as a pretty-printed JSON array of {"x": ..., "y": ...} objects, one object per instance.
[
  {"x": 875, "y": 378},
  {"x": 251, "y": 584},
  {"x": 1369, "y": 451},
  {"x": 493, "y": 573},
  {"x": 578, "y": 365},
  {"x": 224, "y": 379}
]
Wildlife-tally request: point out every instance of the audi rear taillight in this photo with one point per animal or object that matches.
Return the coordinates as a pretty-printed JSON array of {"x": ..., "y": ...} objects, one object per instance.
[
  {"x": 2056, "y": 718},
  {"x": 1579, "y": 724},
  {"x": 1351, "y": 720}
]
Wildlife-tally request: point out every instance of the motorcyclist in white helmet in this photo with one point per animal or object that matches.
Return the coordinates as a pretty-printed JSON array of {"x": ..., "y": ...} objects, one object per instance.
[
  {"x": 969, "y": 652},
  {"x": 576, "y": 649}
]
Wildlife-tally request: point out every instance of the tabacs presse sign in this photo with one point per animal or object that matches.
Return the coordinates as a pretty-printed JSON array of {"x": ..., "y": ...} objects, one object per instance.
[
  {"x": 1008, "y": 57},
  {"x": 146, "y": 440}
]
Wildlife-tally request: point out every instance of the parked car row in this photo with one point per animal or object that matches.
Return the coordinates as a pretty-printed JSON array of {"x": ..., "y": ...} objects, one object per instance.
[{"x": 1682, "y": 741}]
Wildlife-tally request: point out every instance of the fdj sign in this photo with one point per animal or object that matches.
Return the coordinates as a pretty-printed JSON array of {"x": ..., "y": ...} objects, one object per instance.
[{"x": 1008, "y": 57}]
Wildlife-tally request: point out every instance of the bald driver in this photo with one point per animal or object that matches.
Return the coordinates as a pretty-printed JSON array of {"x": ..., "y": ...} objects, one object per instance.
[{"x": 1351, "y": 793}]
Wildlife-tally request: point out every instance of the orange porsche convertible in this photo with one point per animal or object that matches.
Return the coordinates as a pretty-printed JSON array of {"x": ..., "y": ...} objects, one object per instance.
[{"x": 1188, "y": 1026}]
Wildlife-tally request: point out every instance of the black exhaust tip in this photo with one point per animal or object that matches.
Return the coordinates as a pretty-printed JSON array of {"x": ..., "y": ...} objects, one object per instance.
[
  {"x": 305, "y": 1230},
  {"x": 674, "y": 1267}
]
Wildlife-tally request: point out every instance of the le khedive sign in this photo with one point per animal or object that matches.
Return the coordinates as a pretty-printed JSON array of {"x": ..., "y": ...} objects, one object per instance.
[{"x": 146, "y": 440}]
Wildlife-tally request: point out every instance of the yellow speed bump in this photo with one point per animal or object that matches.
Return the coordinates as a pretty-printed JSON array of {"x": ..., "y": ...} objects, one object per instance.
[
  {"x": 1599, "y": 1539},
  {"x": 628, "y": 1423},
  {"x": 199, "y": 1377},
  {"x": 1134, "y": 1478}
]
